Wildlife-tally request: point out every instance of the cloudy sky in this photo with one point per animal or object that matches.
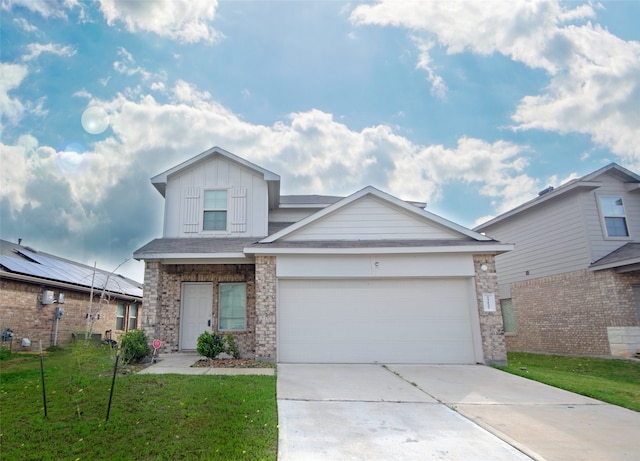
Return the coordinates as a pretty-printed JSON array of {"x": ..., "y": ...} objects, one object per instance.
[{"x": 472, "y": 107}]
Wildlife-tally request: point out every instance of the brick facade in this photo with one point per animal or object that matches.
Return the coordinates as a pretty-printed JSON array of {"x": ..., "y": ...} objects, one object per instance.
[
  {"x": 21, "y": 310},
  {"x": 163, "y": 300},
  {"x": 571, "y": 312},
  {"x": 266, "y": 328},
  {"x": 491, "y": 326}
]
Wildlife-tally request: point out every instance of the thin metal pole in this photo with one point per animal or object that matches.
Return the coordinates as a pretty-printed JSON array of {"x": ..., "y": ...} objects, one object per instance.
[
  {"x": 113, "y": 384},
  {"x": 44, "y": 394}
]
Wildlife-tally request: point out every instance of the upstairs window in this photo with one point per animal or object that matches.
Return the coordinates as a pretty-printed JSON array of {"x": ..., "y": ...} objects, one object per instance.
[
  {"x": 615, "y": 220},
  {"x": 215, "y": 210}
]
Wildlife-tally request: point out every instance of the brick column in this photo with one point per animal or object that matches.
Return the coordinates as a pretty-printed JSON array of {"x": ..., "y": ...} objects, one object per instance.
[
  {"x": 266, "y": 340},
  {"x": 491, "y": 326},
  {"x": 151, "y": 315}
]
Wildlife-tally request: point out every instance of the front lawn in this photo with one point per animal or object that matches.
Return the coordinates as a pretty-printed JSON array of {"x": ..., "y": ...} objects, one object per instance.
[
  {"x": 615, "y": 381},
  {"x": 151, "y": 417}
]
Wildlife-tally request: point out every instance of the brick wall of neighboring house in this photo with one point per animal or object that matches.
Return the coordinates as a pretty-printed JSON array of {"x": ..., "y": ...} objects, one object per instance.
[
  {"x": 163, "y": 297},
  {"x": 569, "y": 313},
  {"x": 21, "y": 310},
  {"x": 266, "y": 329},
  {"x": 491, "y": 326}
]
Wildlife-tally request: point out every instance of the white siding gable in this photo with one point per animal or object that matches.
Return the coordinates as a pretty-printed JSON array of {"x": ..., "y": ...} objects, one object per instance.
[
  {"x": 247, "y": 200},
  {"x": 371, "y": 218}
]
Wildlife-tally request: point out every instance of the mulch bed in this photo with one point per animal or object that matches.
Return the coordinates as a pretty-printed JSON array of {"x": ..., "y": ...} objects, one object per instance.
[{"x": 232, "y": 363}]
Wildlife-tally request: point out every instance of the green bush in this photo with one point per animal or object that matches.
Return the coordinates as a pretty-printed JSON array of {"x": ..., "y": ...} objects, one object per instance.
[
  {"x": 210, "y": 345},
  {"x": 135, "y": 346},
  {"x": 232, "y": 348}
]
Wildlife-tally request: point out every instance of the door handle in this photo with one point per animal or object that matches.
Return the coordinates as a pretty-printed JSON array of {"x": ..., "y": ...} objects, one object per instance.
[{"x": 209, "y": 323}]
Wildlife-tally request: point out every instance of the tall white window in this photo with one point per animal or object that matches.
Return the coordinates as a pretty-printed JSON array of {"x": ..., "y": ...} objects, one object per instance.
[
  {"x": 120, "y": 317},
  {"x": 233, "y": 306},
  {"x": 133, "y": 317},
  {"x": 615, "y": 220},
  {"x": 215, "y": 210}
]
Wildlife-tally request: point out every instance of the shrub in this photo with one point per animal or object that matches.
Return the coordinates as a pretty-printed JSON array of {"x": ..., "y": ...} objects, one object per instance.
[
  {"x": 135, "y": 346},
  {"x": 232, "y": 348},
  {"x": 210, "y": 345}
]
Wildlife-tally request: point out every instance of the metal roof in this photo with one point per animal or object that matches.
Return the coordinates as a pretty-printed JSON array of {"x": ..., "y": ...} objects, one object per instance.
[{"x": 49, "y": 267}]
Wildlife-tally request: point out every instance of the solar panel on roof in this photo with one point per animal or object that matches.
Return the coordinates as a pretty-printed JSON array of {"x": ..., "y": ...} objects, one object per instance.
[{"x": 55, "y": 269}]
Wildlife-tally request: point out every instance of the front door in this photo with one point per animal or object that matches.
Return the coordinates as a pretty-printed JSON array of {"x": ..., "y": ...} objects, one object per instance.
[{"x": 196, "y": 309}]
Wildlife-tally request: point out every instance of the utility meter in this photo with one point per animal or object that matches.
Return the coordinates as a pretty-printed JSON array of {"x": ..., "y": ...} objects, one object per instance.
[{"x": 59, "y": 312}]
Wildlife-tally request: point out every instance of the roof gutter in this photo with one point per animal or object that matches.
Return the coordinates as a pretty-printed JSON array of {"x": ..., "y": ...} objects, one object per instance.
[{"x": 67, "y": 286}]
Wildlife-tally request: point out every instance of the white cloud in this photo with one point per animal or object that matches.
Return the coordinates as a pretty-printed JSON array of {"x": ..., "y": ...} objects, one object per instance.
[
  {"x": 594, "y": 76},
  {"x": 183, "y": 20},
  {"x": 127, "y": 66},
  {"x": 25, "y": 25},
  {"x": 11, "y": 109},
  {"x": 36, "y": 49}
]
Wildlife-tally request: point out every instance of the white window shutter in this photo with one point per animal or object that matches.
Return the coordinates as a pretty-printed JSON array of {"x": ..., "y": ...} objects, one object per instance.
[
  {"x": 191, "y": 210},
  {"x": 238, "y": 209}
]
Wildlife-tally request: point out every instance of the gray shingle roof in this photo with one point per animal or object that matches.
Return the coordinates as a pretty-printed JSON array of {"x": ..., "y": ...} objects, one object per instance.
[{"x": 626, "y": 254}]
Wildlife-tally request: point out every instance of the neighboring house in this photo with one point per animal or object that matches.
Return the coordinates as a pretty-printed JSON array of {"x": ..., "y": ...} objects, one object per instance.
[
  {"x": 361, "y": 279},
  {"x": 46, "y": 299},
  {"x": 572, "y": 284}
]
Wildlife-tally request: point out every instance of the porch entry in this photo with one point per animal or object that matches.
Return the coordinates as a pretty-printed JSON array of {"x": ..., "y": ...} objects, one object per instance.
[{"x": 195, "y": 313}]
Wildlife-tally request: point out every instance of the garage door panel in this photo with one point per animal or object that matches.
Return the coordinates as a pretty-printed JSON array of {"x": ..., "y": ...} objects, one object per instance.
[{"x": 365, "y": 321}]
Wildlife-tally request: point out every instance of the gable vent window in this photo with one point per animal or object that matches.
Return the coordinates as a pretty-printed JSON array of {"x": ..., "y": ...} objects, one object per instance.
[
  {"x": 615, "y": 220},
  {"x": 215, "y": 210}
]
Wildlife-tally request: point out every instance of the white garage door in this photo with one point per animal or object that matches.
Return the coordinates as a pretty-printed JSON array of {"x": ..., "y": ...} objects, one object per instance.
[{"x": 367, "y": 321}]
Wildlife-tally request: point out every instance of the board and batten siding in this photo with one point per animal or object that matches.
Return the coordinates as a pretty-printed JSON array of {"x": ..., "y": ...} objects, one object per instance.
[
  {"x": 371, "y": 219},
  {"x": 549, "y": 239},
  {"x": 600, "y": 244},
  {"x": 247, "y": 200}
]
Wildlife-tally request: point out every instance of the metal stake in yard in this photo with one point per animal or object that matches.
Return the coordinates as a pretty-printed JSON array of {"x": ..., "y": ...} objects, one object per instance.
[
  {"x": 113, "y": 384},
  {"x": 44, "y": 394}
]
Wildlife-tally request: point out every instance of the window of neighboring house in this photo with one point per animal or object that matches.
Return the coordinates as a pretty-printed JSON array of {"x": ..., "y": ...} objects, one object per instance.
[
  {"x": 615, "y": 220},
  {"x": 120, "y": 317},
  {"x": 126, "y": 317},
  {"x": 133, "y": 317},
  {"x": 215, "y": 210},
  {"x": 508, "y": 316},
  {"x": 233, "y": 306}
]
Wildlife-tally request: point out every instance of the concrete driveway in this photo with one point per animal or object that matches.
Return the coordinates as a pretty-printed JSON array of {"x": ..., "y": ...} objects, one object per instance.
[{"x": 423, "y": 412}]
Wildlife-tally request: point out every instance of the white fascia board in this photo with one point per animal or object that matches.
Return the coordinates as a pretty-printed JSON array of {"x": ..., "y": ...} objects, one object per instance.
[
  {"x": 383, "y": 196},
  {"x": 498, "y": 248},
  {"x": 172, "y": 258}
]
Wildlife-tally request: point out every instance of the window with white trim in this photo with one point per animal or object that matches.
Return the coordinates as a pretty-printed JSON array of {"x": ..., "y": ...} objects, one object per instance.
[
  {"x": 215, "y": 210},
  {"x": 233, "y": 306},
  {"x": 613, "y": 214},
  {"x": 126, "y": 317}
]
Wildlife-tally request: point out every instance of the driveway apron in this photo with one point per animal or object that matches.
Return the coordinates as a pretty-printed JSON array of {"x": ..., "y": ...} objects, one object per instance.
[
  {"x": 368, "y": 412},
  {"x": 425, "y": 412}
]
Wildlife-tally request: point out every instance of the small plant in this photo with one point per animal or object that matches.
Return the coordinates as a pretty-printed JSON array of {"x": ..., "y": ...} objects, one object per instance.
[
  {"x": 232, "y": 347},
  {"x": 5, "y": 353},
  {"x": 210, "y": 345},
  {"x": 135, "y": 346}
]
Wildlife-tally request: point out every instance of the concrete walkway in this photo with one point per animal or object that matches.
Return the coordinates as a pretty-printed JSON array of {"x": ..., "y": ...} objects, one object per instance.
[
  {"x": 371, "y": 412},
  {"x": 181, "y": 363}
]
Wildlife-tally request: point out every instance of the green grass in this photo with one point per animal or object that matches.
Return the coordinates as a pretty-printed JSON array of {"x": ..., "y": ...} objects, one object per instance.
[
  {"x": 615, "y": 381},
  {"x": 152, "y": 416}
]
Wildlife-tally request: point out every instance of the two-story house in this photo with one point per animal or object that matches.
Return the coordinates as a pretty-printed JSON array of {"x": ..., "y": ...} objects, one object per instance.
[
  {"x": 358, "y": 279},
  {"x": 572, "y": 283}
]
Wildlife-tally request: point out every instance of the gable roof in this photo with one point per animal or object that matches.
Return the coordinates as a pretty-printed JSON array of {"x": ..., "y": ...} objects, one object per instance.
[
  {"x": 273, "y": 180},
  {"x": 585, "y": 183},
  {"x": 26, "y": 264},
  {"x": 391, "y": 200},
  {"x": 624, "y": 259}
]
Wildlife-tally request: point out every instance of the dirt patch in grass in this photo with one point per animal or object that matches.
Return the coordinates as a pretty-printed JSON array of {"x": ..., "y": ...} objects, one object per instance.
[{"x": 232, "y": 363}]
